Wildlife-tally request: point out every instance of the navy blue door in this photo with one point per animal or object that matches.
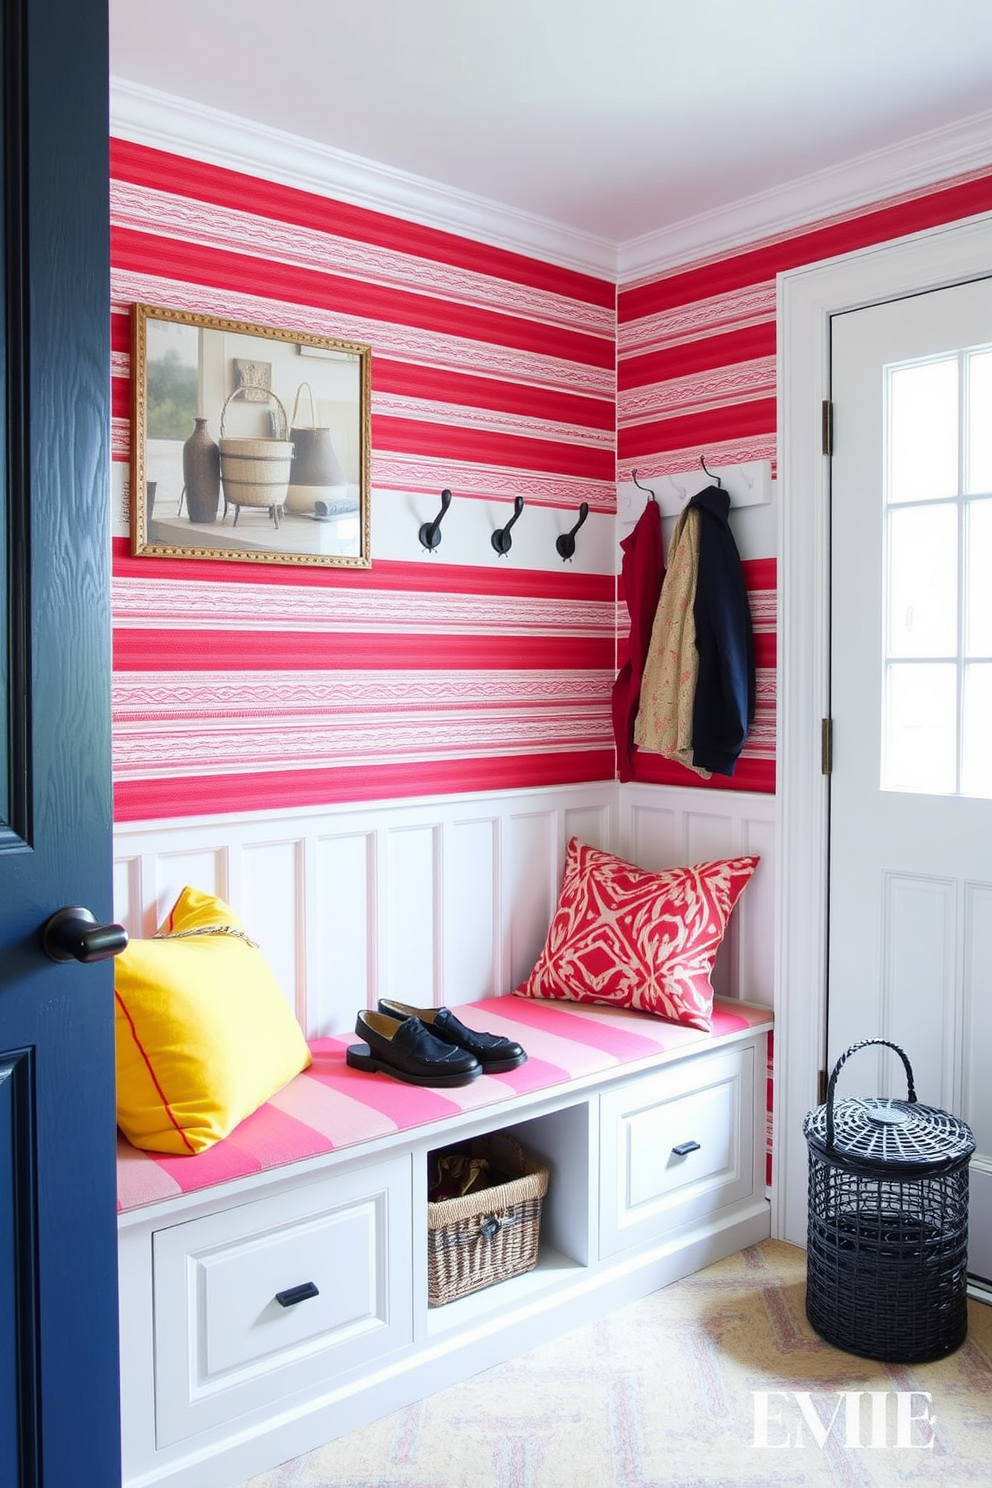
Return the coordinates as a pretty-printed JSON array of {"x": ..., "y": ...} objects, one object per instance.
[{"x": 59, "y": 1423}]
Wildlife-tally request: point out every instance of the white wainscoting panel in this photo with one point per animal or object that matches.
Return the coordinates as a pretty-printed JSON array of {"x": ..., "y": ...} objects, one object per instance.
[
  {"x": 411, "y": 895},
  {"x": 271, "y": 886},
  {"x": 666, "y": 826},
  {"x": 529, "y": 892},
  {"x": 341, "y": 906},
  {"x": 471, "y": 932},
  {"x": 755, "y": 913},
  {"x": 446, "y": 900},
  {"x": 440, "y": 901}
]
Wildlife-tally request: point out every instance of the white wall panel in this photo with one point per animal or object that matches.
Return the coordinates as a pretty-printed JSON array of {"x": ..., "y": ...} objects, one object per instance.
[
  {"x": 649, "y": 830},
  {"x": 413, "y": 914},
  {"x": 445, "y": 900},
  {"x": 127, "y": 890},
  {"x": 471, "y": 941},
  {"x": 534, "y": 861},
  {"x": 725, "y": 968},
  {"x": 665, "y": 826},
  {"x": 206, "y": 868},
  {"x": 705, "y": 835},
  {"x": 341, "y": 930},
  {"x": 756, "y": 922},
  {"x": 590, "y": 824},
  {"x": 272, "y": 895}
]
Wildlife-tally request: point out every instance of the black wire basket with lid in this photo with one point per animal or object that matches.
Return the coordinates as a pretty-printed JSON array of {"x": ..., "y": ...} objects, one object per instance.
[{"x": 887, "y": 1251}]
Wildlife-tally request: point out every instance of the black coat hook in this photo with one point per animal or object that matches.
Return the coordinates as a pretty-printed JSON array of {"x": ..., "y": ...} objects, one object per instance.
[
  {"x": 710, "y": 474},
  {"x": 633, "y": 476},
  {"x": 566, "y": 542},
  {"x": 430, "y": 532},
  {"x": 501, "y": 539}
]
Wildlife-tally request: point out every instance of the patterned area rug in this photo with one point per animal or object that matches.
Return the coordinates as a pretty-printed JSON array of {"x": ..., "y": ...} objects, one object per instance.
[{"x": 676, "y": 1389}]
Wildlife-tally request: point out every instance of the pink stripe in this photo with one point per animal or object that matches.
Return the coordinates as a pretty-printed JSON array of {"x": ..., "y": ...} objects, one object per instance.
[
  {"x": 555, "y": 1047},
  {"x": 536, "y": 1074},
  {"x": 727, "y": 1022},
  {"x": 140, "y": 1180},
  {"x": 266, "y": 1139},
  {"x": 666, "y": 1037},
  {"x": 342, "y": 1119},
  {"x": 552, "y": 1018},
  {"x": 382, "y": 1092},
  {"x": 658, "y": 1034},
  {"x": 219, "y": 1164},
  {"x": 272, "y": 1137},
  {"x": 408, "y": 1105},
  {"x": 492, "y": 1090}
]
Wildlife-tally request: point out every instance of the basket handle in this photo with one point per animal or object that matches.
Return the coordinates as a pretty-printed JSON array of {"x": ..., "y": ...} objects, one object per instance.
[
  {"x": 313, "y": 405},
  {"x": 241, "y": 392},
  {"x": 832, "y": 1084}
]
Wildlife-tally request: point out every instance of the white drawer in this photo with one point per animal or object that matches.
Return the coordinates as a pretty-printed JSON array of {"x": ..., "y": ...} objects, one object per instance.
[
  {"x": 226, "y": 1342},
  {"x": 676, "y": 1146}
]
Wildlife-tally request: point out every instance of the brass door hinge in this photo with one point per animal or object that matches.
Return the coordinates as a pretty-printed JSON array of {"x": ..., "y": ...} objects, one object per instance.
[
  {"x": 821, "y": 1088},
  {"x": 827, "y": 426},
  {"x": 826, "y": 745}
]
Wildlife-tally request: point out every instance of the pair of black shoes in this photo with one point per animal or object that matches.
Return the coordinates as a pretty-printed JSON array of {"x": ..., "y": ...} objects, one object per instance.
[{"x": 428, "y": 1046}]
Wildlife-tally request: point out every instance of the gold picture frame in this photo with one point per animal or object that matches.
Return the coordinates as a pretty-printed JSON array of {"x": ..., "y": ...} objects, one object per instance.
[{"x": 250, "y": 444}]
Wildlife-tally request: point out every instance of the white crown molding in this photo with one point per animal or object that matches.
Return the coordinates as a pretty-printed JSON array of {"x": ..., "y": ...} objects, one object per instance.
[
  {"x": 148, "y": 116},
  {"x": 912, "y": 164}
]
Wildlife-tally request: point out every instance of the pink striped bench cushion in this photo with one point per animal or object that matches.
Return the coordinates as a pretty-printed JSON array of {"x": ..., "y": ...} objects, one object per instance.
[{"x": 330, "y": 1106}]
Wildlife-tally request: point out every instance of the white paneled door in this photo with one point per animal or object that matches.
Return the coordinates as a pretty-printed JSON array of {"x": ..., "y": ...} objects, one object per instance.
[{"x": 910, "y": 920}]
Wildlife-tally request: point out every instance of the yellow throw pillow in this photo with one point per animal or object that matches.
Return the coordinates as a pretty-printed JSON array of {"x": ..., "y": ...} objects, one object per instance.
[{"x": 204, "y": 1034}]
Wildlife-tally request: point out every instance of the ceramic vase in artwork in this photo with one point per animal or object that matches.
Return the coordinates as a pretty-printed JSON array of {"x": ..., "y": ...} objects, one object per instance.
[{"x": 201, "y": 474}]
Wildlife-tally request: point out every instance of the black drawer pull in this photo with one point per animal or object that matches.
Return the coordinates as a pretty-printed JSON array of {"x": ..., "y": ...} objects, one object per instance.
[
  {"x": 300, "y": 1293},
  {"x": 684, "y": 1148}
]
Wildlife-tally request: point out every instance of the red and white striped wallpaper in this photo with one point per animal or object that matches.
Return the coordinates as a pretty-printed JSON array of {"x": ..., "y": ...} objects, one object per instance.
[
  {"x": 696, "y": 376},
  {"x": 239, "y": 687},
  {"x": 243, "y": 686}
]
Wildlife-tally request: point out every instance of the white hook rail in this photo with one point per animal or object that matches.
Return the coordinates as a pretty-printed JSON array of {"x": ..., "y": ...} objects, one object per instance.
[{"x": 747, "y": 485}]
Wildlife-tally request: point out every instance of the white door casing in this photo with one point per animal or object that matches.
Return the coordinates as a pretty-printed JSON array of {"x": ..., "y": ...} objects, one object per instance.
[
  {"x": 910, "y": 900},
  {"x": 807, "y": 298}
]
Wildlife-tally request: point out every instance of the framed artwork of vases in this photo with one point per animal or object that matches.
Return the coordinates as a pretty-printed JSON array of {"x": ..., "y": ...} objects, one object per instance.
[{"x": 249, "y": 443}]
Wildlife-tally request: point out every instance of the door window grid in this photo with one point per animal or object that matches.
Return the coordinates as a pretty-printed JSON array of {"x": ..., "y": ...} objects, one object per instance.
[{"x": 937, "y": 630}]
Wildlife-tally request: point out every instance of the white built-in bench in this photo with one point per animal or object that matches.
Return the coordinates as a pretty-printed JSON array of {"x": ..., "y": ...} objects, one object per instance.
[{"x": 327, "y": 1184}]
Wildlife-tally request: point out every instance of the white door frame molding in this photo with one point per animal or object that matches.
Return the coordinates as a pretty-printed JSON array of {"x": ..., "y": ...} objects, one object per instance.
[{"x": 807, "y": 298}]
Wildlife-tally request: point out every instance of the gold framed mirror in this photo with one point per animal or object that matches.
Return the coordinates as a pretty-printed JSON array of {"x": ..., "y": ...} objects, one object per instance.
[{"x": 249, "y": 443}]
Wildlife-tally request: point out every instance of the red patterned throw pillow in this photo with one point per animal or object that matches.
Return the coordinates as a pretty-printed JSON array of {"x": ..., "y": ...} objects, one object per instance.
[{"x": 636, "y": 939}]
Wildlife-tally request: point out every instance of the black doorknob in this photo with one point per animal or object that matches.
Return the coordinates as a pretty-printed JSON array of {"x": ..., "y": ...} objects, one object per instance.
[{"x": 72, "y": 934}]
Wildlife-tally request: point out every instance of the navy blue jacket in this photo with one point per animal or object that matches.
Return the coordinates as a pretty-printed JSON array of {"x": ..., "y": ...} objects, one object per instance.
[{"x": 723, "y": 706}]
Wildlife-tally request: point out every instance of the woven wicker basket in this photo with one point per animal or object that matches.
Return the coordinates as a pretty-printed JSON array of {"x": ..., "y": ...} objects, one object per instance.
[
  {"x": 485, "y": 1237},
  {"x": 255, "y": 472}
]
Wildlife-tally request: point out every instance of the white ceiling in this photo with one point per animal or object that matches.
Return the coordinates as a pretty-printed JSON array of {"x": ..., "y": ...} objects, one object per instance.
[{"x": 615, "y": 118}]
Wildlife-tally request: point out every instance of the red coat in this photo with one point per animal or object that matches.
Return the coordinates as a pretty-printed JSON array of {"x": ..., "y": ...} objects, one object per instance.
[{"x": 642, "y": 570}]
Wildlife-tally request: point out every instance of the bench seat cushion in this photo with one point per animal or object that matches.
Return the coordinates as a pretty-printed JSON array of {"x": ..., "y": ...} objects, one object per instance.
[{"x": 330, "y": 1106}]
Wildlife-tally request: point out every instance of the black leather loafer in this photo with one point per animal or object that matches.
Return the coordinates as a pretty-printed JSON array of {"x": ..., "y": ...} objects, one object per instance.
[
  {"x": 493, "y": 1052},
  {"x": 409, "y": 1051}
]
